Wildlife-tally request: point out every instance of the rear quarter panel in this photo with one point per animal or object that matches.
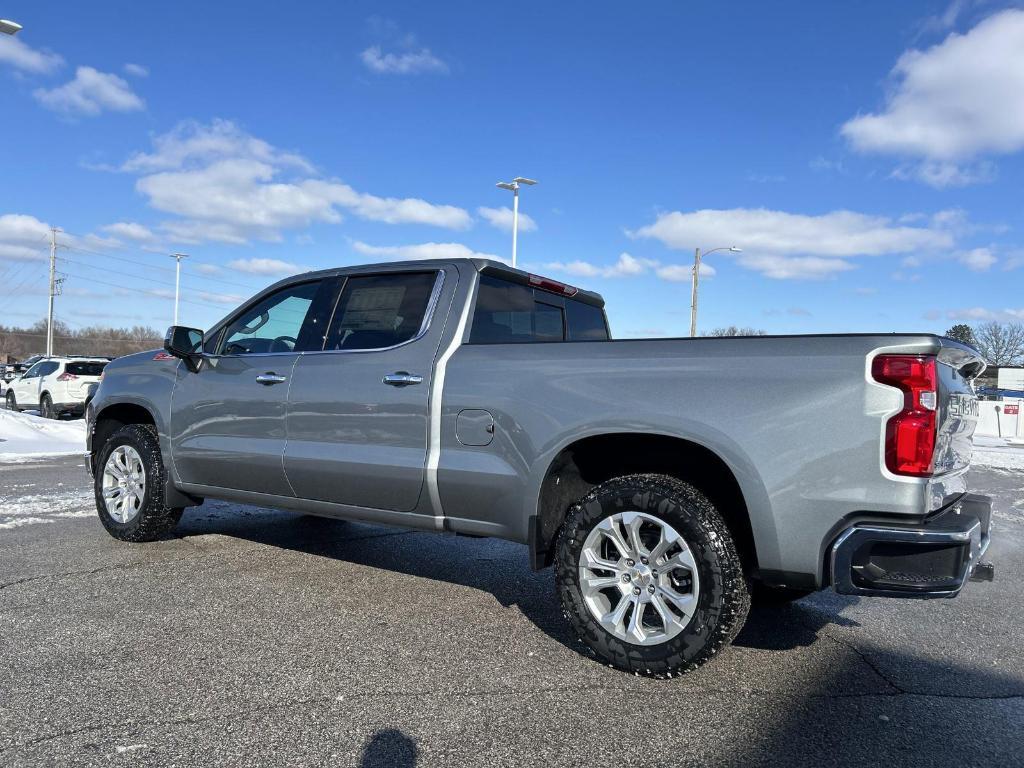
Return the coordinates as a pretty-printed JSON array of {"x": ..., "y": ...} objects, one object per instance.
[{"x": 796, "y": 419}]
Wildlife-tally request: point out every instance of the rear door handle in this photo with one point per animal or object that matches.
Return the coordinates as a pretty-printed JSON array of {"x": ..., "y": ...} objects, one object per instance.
[
  {"x": 270, "y": 378},
  {"x": 402, "y": 379}
]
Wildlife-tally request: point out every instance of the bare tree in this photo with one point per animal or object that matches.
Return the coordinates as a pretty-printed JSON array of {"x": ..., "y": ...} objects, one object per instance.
[
  {"x": 733, "y": 330},
  {"x": 1001, "y": 343},
  {"x": 20, "y": 343}
]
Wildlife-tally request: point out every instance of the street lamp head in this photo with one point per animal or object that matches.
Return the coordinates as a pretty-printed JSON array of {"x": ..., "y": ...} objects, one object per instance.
[
  {"x": 734, "y": 249},
  {"x": 9, "y": 27},
  {"x": 507, "y": 185},
  {"x": 521, "y": 180}
]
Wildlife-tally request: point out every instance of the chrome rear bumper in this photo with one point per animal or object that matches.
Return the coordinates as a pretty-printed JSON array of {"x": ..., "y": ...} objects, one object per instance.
[{"x": 933, "y": 559}]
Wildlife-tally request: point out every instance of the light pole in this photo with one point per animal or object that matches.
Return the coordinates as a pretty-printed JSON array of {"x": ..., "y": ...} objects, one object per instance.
[
  {"x": 697, "y": 256},
  {"x": 177, "y": 280},
  {"x": 514, "y": 186},
  {"x": 8, "y": 27}
]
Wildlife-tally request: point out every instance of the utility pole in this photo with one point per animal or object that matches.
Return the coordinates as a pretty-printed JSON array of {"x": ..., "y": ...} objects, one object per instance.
[
  {"x": 693, "y": 293},
  {"x": 697, "y": 256},
  {"x": 177, "y": 281},
  {"x": 52, "y": 291}
]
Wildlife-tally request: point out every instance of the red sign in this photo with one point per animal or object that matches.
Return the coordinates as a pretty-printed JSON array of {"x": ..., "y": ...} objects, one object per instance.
[{"x": 1012, "y": 410}]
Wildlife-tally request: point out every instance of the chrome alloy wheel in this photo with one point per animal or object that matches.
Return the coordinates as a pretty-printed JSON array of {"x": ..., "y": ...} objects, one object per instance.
[
  {"x": 124, "y": 483},
  {"x": 638, "y": 578}
]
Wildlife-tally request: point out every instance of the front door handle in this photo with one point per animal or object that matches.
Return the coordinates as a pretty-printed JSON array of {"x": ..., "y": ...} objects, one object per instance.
[
  {"x": 270, "y": 378},
  {"x": 402, "y": 379}
]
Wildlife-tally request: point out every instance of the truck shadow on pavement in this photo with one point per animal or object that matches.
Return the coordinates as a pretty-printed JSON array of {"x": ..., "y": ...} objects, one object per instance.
[{"x": 497, "y": 567}]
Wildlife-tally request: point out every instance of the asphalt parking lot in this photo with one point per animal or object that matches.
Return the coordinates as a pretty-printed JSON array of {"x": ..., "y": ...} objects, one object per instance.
[{"x": 265, "y": 638}]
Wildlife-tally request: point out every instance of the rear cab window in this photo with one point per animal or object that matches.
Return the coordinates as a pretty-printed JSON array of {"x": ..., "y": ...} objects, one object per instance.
[{"x": 512, "y": 313}]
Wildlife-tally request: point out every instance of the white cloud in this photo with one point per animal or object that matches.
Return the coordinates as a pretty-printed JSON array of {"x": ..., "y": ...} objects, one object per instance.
[
  {"x": 422, "y": 251},
  {"x": 207, "y": 269},
  {"x": 680, "y": 273},
  {"x": 971, "y": 313},
  {"x": 405, "y": 63},
  {"x": 129, "y": 230},
  {"x": 795, "y": 267},
  {"x": 191, "y": 144},
  {"x": 90, "y": 93},
  {"x": 956, "y": 100},
  {"x": 228, "y": 186},
  {"x": 231, "y": 299},
  {"x": 501, "y": 218},
  {"x": 628, "y": 265},
  {"x": 978, "y": 259},
  {"x": 786, "y": 245},
  {"x": 23, "y": 238},
  {"x": 941, "y": 174},
  {"x": 136, "y": 70},
  {"x": 264, "y": 267},
  {"x": 21, "y": 56}
]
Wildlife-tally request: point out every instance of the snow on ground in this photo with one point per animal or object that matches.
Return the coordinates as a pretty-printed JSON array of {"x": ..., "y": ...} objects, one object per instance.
[
  {"x": 24, "y": 437},
  {"x": 998, "y": 452},
  {"x": 48, "y": 507}
]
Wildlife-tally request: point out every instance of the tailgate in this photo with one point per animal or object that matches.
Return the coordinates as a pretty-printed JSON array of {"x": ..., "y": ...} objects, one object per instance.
[{"x": 958, "y": 407}]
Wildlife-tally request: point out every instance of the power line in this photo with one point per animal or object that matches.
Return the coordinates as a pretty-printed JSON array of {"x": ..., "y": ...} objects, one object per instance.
[
  {"x": 188, "y": 272},
  {"x": 143, "y": 290}
]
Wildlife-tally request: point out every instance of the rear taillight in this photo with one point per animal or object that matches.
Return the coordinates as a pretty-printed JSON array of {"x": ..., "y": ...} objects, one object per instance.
[
  {"x": 910, "y": 434},
  {"x": 66, "y": 377}
]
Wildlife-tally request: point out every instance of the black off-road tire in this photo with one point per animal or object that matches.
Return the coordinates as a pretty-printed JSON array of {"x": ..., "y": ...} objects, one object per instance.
[
  {"x": 46, "y": 407},
  {"x": 155, "y": 519},
  {"x": 765, "y": 595},
  {"x": 12, "y": 401},
  {"x": 724, "y": 595}
]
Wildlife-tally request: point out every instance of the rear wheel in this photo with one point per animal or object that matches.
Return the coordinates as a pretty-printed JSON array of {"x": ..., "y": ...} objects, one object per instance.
[
  {"x": 129, "y": 486},
  {"x": 46, "y": 407},
  {"x": 649, "y": 576}
]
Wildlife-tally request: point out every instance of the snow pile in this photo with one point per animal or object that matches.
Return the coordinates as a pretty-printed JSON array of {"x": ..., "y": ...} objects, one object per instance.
[
  {"x": 996, "y": 452},
  {"x": 24, "y": 437}
]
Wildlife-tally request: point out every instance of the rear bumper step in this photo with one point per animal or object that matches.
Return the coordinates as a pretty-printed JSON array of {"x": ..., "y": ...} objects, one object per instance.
[{"x": 933, "y": 559}]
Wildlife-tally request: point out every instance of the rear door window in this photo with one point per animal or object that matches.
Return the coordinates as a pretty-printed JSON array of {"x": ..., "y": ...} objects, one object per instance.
[{"x": 381, "y": 311}]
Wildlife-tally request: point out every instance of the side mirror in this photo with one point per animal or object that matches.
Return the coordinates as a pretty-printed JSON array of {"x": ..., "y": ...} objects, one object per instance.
[{"x": 185, "y": 343}]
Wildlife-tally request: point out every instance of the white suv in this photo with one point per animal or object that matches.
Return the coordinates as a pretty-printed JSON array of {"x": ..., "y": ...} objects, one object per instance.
[{"x": 55, "y": 386}]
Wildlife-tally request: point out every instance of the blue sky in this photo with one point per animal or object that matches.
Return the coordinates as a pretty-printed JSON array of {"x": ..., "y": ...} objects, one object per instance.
[{"x": 866, "y": 157}]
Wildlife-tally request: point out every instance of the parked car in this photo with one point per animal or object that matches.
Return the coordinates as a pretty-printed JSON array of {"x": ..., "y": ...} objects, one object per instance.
[
  {"x": 55, "y": 386},
  {"x": 665, "y": 479}
]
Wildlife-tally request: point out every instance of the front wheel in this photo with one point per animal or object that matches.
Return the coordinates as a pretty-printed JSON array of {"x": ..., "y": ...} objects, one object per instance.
[
  {"x": 129, "y": 486},
  {"x": 649, "y": 577},
  {"x": 12, "y": 401}
]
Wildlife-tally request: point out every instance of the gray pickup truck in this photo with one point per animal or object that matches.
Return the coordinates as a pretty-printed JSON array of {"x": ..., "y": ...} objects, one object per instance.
[{"x": 667, "y": 480}]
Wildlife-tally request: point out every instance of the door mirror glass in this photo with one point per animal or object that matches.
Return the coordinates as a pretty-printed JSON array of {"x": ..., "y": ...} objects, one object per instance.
[{"x": 185, "y": 343}]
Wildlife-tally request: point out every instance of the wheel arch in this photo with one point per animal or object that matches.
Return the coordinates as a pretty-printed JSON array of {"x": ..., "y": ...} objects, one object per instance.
[
  {"x": 586, "y": 462},
  {"x": 115, "y": 415}
]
